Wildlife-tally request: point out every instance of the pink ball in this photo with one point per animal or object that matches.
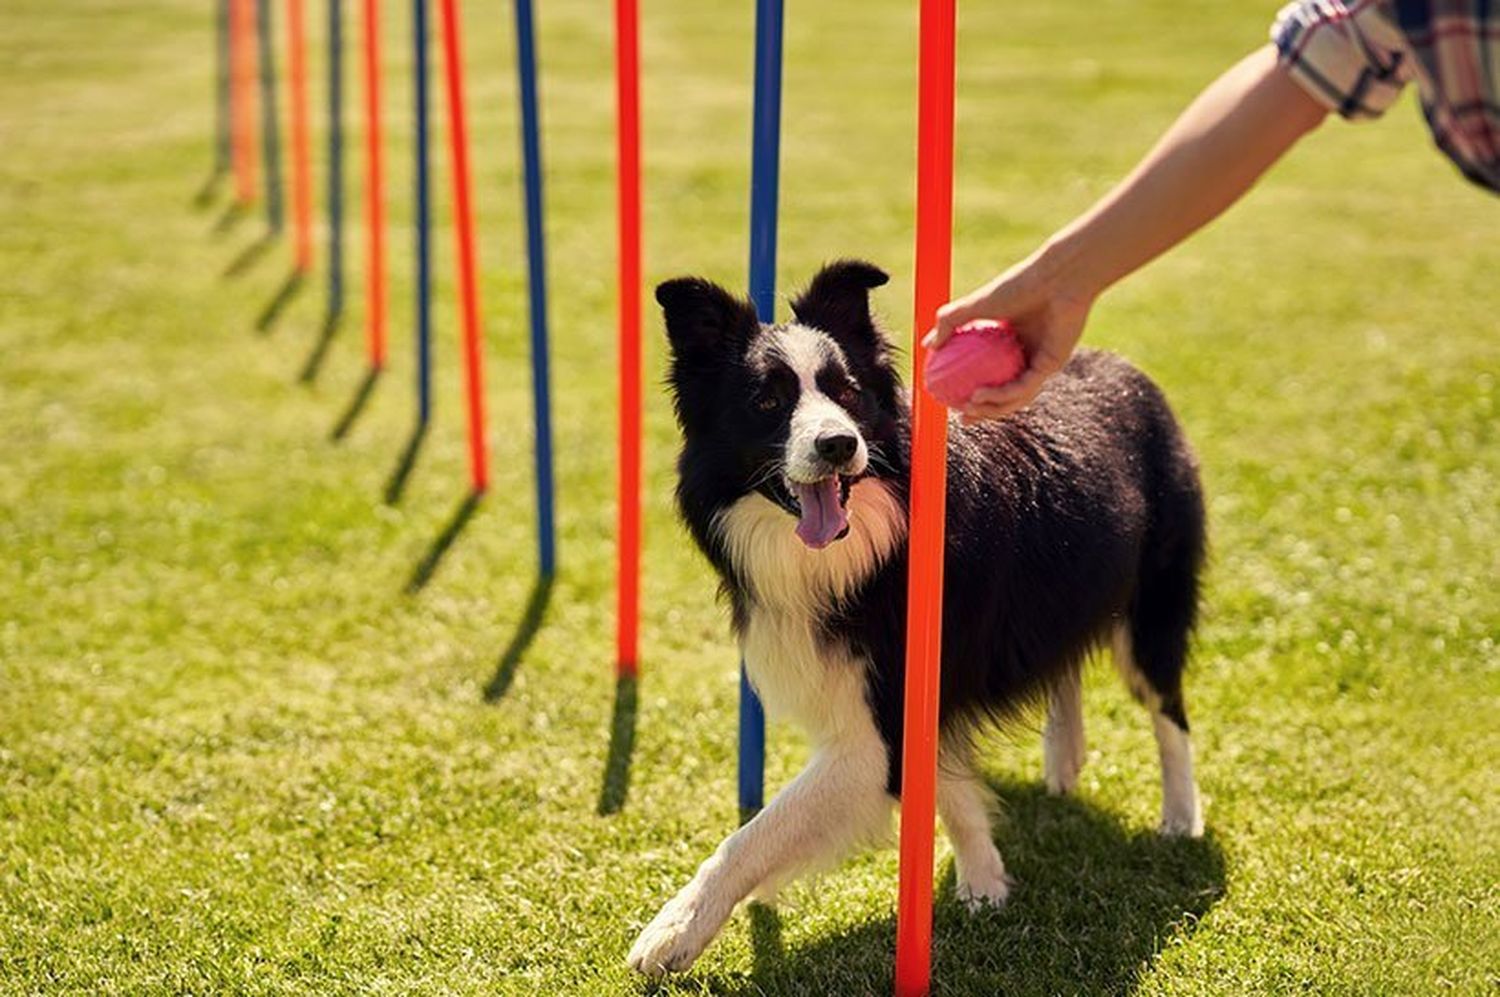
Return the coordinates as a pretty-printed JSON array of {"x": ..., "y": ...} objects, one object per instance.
[{"x": 981, "y": 354}]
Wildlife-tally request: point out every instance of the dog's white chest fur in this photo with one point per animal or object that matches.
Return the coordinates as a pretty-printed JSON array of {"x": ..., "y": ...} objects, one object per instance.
[{"x": 799, "y": 675}]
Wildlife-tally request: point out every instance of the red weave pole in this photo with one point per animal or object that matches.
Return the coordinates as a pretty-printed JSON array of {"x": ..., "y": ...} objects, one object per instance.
[
  {"x": 374, "y": 192},
  {"x": 242, "y": 96},
  {"x": 463, "y": 228},
  {"x": 924, "y": 614},
  {"x": 627, "y": 91},
  {"x": 301, "y": 165}
]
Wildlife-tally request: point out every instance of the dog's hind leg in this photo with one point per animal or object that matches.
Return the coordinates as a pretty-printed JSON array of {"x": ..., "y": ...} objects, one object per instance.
[
  {"x": 967, "y": 809},
  {"x": 1062, "y": 740},
  {"x": 836, "y": 802},
  {"x": 1161, "y": 692}
]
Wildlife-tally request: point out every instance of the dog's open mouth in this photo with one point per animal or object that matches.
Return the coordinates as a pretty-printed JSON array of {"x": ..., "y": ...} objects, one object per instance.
[{"x": 822, "y": 516}]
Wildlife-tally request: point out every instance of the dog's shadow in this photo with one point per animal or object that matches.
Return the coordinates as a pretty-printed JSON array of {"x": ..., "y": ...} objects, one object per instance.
[{"x": 1094, "y": 903}]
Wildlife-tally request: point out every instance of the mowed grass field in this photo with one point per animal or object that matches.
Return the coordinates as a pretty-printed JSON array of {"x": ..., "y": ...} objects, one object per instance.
[{"x": 239, "y": 755}]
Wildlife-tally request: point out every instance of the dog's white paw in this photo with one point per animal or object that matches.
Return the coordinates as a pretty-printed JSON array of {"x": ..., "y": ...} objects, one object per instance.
[
  {"x": 1061, "y": 765},
  {"x": 1182, "y": 818},
  {"x": 676, "y": 936},
  {"x": 979, "y": 891}
]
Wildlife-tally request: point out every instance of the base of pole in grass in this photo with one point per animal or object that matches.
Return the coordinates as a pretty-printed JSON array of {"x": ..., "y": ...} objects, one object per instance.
[
  {"x": 296, "y": 43},
  {"x": 765, "y": 185},
  {"x": 335, "y": 305},
  {"x": 270, "y": 127},
  {"x": 463, "y": 229},
  {"x": 423, "y": 213},
  {"x": 628, "y": 194},
  {"x": 242, "y": 97},
  {"x": 536, "y": 271},
  {"x": 752, "y": 757},
  {"x": 925, "y": 544},
  {"x": 223, "y": 157},
  {"x": 374, "y": 190}
]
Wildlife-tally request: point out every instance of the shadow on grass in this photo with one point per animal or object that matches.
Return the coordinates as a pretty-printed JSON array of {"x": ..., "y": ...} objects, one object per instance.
[
  {"x": 331, "y": 322},
  {"x": 209, "y": 191},
  {"x": 395, "y": 487},
  {"x": 427, "y": 567},
  {"x": 234, "y": 212},
  {"x": 1093, "y": 905},
  {"x": 356, "y": 405},
  {"x": 621, "y": 747},
  {"x": 271, "y": 314},
  {"x": 766, "y": 948},
  {"x": 250, "y": 255},
  {"x": 526, "y": 631}
]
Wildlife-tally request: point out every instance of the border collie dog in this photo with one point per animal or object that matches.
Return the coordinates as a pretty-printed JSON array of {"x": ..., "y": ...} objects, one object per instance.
[{"x": 1075, "y": 523}]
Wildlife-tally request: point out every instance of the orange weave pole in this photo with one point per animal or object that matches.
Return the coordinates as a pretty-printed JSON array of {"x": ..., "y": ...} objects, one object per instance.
[
  {"x": 374, "y": 192},
  {"x": 627, "y": 92},
  {"x": 301, "y": 166},
  {"x": 463, "y": 228},
  {"x": 242, "y": 71},
  {"x": 924, "y": 614}
]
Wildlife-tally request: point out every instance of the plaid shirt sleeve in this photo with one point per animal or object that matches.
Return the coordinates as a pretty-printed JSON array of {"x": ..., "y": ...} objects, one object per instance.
[
  {"x": 1348, "y": 56},
  {"x": 1354, "y": 56}
]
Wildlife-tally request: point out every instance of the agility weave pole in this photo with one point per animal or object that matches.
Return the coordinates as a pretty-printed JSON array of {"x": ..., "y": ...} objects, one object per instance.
[
  {"x": 374, "y": 192},
  {"x": 422, "y": 212},
  {"x": 296, "y": 44},
  {"x": 270, "y": 126},
  {"x": 222, "y": 114},
  {"x": 536, "y": 272},
  {"x": 925, "y": 543},
  {"x": 242, "y": 97},
  {"x": 628, "y": 179},
  {"x": 765, "y": 183},
  {"x": 335, "y": 159},
  {"x": 463, "y": 229}
]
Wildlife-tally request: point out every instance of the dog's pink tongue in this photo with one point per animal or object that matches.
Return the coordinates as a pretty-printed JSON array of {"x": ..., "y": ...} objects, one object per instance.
[{"x": 823, "y": 515}]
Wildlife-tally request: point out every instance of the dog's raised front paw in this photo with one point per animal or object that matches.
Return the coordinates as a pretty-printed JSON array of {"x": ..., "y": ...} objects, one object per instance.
[{"x": 676, "y": 936}]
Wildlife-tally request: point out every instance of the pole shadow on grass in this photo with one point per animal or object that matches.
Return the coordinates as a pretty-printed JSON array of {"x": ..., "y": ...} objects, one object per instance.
[
  {"x": 520, "y": 641},
  {"x": 428, "y": 565},
  {"x": 250, "y": 255},
  {"x": 208, "y": 193},
  {"x": 616, "y": 783},
  {"x": 314, "y": 363},
  {"x": 356, "y": 405},
  {"x": 234, "y": 212},
  {"x": 1094, "y": 903},
  {"x": 266, "y": 321},
  {"x": 395, "y": 486}
]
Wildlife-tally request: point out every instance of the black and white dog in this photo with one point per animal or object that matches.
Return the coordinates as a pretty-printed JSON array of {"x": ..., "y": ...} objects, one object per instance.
[{"x": 1077, "y": 522}]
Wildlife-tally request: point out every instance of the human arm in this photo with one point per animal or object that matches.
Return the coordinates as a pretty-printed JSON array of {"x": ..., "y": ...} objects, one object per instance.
[{"x": 1215, "y": 151}]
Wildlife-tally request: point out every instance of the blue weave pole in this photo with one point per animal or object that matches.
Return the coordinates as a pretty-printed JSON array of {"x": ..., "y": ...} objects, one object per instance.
[
  {"x": 424, "y": 217},
  {"x": 270, "y": 129},
  {"x": 536, "y": 268},
  {"x": 765, "y": 166},
  {"x": 221, "y": 88},
  {"x": 335, "y": 158}
]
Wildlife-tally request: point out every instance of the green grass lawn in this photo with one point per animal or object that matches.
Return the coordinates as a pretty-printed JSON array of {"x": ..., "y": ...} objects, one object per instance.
[{"x": 236, "y": 755}]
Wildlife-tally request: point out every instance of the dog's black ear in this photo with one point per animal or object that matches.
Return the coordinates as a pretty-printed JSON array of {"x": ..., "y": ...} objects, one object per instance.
[
  {"x": 702, "y": 318},
  {"x": 838, "y": 301}
]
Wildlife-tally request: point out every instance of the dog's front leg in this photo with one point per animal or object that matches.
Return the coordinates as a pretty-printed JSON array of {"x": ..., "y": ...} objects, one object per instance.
[{"x": 837, "y": 801}]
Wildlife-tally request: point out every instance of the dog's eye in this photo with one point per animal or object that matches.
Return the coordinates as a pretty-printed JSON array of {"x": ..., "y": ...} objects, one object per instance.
[
  {"x": 850, "y": 395},
  {"x": 767, "y": 403}
]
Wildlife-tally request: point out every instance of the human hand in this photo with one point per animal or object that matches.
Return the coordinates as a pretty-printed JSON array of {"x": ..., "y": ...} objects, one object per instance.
[{"x": 1048, "y": 318}]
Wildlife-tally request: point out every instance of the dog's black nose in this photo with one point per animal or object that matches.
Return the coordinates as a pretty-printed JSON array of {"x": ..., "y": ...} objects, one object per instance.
[{"x": 836, "y": 448}]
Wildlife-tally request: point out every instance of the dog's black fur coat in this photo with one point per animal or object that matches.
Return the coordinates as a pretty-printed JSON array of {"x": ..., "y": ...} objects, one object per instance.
[{"x": 1078, "y": 513}]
